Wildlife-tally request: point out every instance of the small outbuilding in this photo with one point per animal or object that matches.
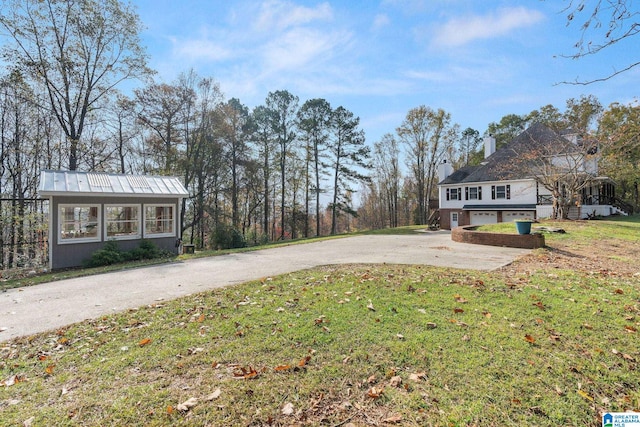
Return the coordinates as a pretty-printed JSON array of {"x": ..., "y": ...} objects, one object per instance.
[{"x": 87, "y": 209}]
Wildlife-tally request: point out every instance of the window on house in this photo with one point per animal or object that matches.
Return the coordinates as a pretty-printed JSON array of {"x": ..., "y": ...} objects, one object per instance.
[
  {"x": 159, "y": 220},
  {"x": 454, "y": 194},
  {"x": 473, "y": 193},
  {"x": 79, "y": 223},
  {"x": 501, "y": 191},
  {"x": 122, "y": 222}
]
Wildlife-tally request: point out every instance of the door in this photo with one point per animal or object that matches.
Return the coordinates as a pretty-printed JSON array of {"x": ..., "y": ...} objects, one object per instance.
[
  {"x": 454, "y": 220},
  {"x": 481, "y": 218}
]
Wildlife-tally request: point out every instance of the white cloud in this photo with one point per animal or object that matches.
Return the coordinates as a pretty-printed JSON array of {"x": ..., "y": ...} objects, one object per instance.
[
  {"x": 460, "y": 31},
  {"x": 380, "y": 21},
  {"x": 277, "y": 15},
  {"x": 301, "y": 47},
  {"x": 200, "y": 49}
]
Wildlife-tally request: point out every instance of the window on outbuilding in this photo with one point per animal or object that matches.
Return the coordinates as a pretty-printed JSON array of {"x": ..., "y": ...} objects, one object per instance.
[
  {"x": 159, "y": 220},
  {"x": 79, "y": 223},
  {"x": 123, "y": 222}
]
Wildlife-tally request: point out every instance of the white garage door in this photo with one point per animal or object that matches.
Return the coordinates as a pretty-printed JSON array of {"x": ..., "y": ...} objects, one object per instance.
[
  {"x": 509, "y": 216},
  {"x": 480, "y": 218}
]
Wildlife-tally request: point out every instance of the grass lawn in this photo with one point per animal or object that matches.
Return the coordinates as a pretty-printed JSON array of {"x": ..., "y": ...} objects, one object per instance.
[{"x": 541, "y": 343}]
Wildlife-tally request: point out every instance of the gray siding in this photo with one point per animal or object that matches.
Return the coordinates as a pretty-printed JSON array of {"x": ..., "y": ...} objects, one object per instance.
[{"x": 73, "y": 254}]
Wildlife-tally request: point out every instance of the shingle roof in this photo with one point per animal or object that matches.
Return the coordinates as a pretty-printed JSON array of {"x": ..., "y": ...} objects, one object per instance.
[
  {"x": 500, "y": 165},
  {"x": 92, "y": 183}
]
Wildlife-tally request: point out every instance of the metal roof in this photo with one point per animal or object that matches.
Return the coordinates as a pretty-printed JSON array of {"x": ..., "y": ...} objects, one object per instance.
[{"x": 92, "y": 183}]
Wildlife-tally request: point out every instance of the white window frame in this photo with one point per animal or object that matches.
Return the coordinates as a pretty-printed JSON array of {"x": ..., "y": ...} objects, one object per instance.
[
  {"x": 454, "y": 190},
  {"x": 138, "y": 235},
  {"x": 97, "y": 238},
  {"x": 148, "y": 235}
]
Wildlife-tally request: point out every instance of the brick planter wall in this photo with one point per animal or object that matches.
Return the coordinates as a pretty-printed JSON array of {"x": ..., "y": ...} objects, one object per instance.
[{"x": 468, "y": 234}]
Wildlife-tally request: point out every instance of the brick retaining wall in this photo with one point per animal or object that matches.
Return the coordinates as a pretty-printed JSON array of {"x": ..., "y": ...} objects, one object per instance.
[{"x": 468, "y": 234}]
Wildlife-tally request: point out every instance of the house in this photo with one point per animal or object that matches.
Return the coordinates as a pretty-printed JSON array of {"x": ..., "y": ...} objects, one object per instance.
[
  {"x": 88, "y": 209},
  {"x": 515, "y": 182}
]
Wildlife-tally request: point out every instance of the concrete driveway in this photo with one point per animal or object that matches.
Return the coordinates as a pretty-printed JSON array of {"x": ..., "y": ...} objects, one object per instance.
[{"x": 34, "y": 309}]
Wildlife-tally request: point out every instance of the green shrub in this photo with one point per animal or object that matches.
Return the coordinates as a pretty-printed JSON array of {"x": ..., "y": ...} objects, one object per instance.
[
  {"x": 227, "y": 237},
  {"x": 109, "y": 254}
]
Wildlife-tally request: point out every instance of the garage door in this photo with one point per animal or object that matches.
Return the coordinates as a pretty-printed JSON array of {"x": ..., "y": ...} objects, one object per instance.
[
  {"x": 480, "y": 218},
  {"x": 509, "y": 216}
]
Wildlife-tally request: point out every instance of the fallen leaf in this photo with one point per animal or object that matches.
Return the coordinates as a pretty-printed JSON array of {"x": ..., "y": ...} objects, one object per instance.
[
  {"x": 486, "y": 314},
  {"x": 246, "y": 373},
  {"x": 200, "y": 318},
  {"x": 185, "y": 406},
  {"x": 529, "y": 339},
  {"x": 213, "y": 396},
  {"x": 619, "y": 291},
  {"x": 559, "y": 391},
  {"x": 418, "y": 376},
  {"x": 459, "y": 299},
  {"x": 372, "y": 379},
  {"x": 282, "y": 368},
  {"x": 585, "y": 395},
  {"x": 304, "y": 361},
  {"x": 49, "y": 369},
  {"x": 395, "y": 381},
  {"x": 630, "y": 328},
  {"x": 169, "y": 409},
  {"x": 15, "y": 379},
  {"x": 458, "y": 310},
  {"x": 287, "y": 409},
  {"x": 144, "y": 342},
  {"x": 400, "y": 336},
  {"x": 370, "y": 306},
  {"x": 587, "y": 326},
  {"x": 28, "y": 422},
  {"x": 628, "y": 357},
  {"x": 554, "y": 338},
  {"x": 375, "y": 392},
  {"x": 540, "y": 305},
  {"x": 394, "y": 419}
]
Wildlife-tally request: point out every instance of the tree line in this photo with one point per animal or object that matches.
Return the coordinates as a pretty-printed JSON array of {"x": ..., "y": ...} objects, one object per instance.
[
  {"x": 283, "y": 169},
  {"x": 404, "y": 177}
]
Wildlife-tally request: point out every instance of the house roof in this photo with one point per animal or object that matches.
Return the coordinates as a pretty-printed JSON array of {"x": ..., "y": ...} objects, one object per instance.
[
  {"x": 55, "y": 183},
  {"x": 500, "y": 165}
]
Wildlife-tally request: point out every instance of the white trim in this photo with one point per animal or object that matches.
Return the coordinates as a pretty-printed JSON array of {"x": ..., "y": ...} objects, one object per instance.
[
  {"x": 147, "y": 235},
  {"x": 97, "y": 238},
  {"x": 136, "y": 236}
]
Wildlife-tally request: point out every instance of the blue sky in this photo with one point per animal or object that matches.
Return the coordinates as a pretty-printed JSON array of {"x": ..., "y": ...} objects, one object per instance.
[{"x": 476, "y": 59}]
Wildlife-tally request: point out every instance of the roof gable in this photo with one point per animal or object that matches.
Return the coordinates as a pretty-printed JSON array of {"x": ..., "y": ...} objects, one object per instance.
[{"x": 499, "y": 165}]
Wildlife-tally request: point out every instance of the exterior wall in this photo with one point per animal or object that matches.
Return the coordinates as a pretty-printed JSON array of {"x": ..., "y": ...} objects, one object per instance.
[
  {"x": 72, "y": 254},
  {"x": 522, "y": 192},
  {"x": 525, "y": 241},
  {"x": 546, "y": 211}
]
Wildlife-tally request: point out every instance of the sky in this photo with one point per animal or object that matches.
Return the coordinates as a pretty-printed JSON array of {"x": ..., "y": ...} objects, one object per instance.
[{"x": 478, "y": 60}]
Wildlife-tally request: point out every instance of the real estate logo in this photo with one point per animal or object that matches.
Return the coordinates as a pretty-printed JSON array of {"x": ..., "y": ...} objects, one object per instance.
[
  {"x": 607, "y": 420},
  {"x": 621, "y": 419}
]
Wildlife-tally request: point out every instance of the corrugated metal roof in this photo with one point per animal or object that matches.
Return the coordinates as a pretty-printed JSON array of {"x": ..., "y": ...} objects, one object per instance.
[{"x": 92, "y": 183}]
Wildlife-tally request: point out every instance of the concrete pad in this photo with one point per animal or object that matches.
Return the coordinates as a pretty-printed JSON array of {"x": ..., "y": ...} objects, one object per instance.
[{"x": 34, "y": 309}]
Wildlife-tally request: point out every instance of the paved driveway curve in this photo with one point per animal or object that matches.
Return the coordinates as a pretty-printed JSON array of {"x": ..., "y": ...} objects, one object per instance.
[{"x": 34, "y": 309}]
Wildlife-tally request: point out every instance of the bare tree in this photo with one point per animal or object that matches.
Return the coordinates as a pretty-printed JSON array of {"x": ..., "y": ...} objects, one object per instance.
[
  {"x": 427, "y": 134},
  {"x": 603, "y": 23},
  {"x": 79, "y": 50}
]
